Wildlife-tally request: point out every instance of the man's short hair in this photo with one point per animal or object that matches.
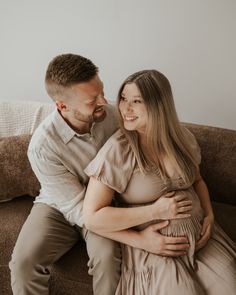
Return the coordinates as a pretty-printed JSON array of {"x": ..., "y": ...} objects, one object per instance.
[{"x": 68, "y": 69}]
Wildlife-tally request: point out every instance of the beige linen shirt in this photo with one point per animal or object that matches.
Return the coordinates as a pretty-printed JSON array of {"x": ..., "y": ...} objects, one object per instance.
[{"x": 58, "y": 156}]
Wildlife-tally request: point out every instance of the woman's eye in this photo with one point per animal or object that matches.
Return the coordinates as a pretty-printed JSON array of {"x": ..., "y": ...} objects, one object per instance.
[{"x": 137, "y": 101}]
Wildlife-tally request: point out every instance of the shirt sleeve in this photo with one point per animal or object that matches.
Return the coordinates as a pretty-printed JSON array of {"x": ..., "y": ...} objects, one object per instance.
[
  {"x": 64, "y": 190},
  {"x": 114, "y": 163}
]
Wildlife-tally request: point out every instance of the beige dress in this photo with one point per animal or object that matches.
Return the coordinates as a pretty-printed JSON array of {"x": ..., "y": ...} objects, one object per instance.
[{"x": 211, "y": 271}]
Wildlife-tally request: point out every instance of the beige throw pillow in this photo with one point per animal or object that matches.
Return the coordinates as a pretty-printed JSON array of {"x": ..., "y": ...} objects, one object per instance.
[{"x": 16, "y": 176}]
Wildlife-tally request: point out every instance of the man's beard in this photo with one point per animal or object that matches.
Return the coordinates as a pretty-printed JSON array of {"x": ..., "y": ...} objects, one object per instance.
[{"x": 90, "y": 118}]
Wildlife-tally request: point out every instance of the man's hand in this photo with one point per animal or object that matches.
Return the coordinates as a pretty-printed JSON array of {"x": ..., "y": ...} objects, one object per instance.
[
  {"x": 206, "y": 231},
  {"x": 172, "y": 206},
  {"x": 152, "y": 241}
]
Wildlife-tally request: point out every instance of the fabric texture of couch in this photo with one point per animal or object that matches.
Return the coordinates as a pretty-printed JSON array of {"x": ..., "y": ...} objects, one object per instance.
[{"x": 19, "y": 186}]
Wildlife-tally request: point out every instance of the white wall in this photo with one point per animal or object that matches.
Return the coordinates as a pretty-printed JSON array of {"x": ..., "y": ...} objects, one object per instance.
[{"x": 193, "y": 42}]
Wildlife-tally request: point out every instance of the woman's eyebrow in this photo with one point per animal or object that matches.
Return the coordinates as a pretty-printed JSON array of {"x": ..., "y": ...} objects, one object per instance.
[{"x": 136, "y": 96}]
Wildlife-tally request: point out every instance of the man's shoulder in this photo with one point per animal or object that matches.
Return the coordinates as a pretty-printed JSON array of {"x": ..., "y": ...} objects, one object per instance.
[{"x": 44, "y": 135}]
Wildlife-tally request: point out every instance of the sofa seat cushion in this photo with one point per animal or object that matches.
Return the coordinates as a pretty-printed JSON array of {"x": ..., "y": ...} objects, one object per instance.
[
  {"x": 71, "y": 270},
  {"x": 12, "y": 216}
]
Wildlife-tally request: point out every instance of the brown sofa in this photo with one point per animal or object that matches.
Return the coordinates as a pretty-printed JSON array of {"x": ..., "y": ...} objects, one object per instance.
[{"x": 69, "y": 274}]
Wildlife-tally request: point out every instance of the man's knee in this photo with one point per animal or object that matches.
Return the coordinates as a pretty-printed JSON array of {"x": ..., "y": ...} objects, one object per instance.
[
  {"x": 24, "y": 265},
  {"x": 104, "y": 252},
  {"x": 109, "y": 254}
]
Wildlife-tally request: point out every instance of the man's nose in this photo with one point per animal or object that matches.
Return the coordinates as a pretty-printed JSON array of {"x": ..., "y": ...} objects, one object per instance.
[{"x": 101, "y": 100}]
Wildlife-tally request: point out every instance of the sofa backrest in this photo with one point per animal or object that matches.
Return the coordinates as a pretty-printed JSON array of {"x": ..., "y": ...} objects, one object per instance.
[
  {"x": 18, "y": 120},
  {"x": 218, "y": 165},
  {"x": 22, "y": 117}
]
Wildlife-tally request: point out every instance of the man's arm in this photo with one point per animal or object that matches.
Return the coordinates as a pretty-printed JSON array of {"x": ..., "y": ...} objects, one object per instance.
[
  {"x": 151, "y": 240},
  {"x": 59, "y": 187}
]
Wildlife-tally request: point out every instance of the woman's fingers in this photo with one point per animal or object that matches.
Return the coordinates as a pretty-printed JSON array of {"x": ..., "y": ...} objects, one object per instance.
[
  {"x": 184, "y": 206},
  {"x": 181, "y": 197},
  {"x": 202, "y": 242},
  {"x": 182, "y": 215},
  {"x": 175, "y": 246},
  {"x": 185, "y": 209},
  {"x": 185, "y": 203},
  {"x": 169, "y": 194},
  {"x": 169, "y": 253},
  {"x": 206, "y": 234}
]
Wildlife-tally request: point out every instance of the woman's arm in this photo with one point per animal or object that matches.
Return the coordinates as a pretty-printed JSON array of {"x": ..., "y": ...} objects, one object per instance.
[
  {"x": 202, "y": 191},
  {"x": 151, "y": 240},
  {"x": 99, "y": 216}
]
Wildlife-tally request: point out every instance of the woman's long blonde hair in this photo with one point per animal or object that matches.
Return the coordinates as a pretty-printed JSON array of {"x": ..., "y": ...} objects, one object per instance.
[{"x": 164, "y": 135}]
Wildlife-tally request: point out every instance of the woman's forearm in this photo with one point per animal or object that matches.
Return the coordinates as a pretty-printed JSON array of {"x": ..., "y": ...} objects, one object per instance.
[
  {"x": 99, "y": 215},
  {"x": 111, "y": 219}
]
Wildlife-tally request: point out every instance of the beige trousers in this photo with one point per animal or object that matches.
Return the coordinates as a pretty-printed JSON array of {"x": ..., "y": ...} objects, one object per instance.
[{"x": 44, "y": 238}]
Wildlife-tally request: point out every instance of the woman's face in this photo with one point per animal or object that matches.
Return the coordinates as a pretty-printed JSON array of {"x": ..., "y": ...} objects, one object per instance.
[{"x": 133, "y": 109}]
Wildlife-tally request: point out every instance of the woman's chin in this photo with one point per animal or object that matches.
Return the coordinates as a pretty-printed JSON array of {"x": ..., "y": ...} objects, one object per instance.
[{"x": 129, "y": 127}]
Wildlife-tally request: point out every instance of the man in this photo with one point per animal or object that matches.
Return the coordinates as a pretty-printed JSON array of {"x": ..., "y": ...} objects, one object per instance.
[{"x": 60, "y": 149}]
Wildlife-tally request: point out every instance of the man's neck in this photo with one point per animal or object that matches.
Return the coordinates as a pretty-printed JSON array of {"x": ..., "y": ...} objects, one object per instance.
[{"x": 78, "y": 126}]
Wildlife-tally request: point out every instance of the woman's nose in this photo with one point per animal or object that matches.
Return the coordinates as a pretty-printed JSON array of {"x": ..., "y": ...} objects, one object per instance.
[{"x": 128, "y": 106}]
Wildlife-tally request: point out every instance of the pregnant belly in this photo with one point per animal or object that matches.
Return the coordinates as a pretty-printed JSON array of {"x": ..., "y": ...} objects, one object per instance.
[{"x": 185, "y": 227}]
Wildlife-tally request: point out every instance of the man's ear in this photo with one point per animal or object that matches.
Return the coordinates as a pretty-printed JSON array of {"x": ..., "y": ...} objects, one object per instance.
[{"x": 61, "y": 106}]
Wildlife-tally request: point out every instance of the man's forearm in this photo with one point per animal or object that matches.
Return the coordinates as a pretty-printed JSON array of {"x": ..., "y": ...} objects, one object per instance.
[{"x": 128, "y": 236}]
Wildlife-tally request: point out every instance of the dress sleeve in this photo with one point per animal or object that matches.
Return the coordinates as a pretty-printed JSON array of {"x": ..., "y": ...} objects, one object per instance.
[
  {"x": 114, "y": 163},
  {"x": 194, "y": 146}
]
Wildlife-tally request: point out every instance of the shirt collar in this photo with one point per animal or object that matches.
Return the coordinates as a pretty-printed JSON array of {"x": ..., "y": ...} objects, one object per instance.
[{"x": 63, "y": 129}]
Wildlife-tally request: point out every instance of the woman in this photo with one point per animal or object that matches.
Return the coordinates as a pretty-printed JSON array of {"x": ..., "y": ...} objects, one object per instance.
[{"x": 150, "y": 155}]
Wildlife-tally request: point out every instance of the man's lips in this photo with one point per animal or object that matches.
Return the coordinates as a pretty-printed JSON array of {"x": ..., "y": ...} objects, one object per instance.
[{"x": 99, "y": 110}]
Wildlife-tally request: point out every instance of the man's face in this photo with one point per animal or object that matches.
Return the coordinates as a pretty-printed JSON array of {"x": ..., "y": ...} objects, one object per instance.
[{"x": 85, "y": 103}]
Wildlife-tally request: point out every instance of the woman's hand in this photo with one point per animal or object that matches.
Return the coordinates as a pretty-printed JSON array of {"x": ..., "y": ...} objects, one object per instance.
[
  {"x": 206, "y": 231},
  {"x": 172, "y": 206}
]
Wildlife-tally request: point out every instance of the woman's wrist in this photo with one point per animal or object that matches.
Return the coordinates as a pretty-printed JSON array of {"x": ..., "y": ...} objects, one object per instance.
[
  {"x": 151, "y": 211},
  {"x": 210, "y": 215}
]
